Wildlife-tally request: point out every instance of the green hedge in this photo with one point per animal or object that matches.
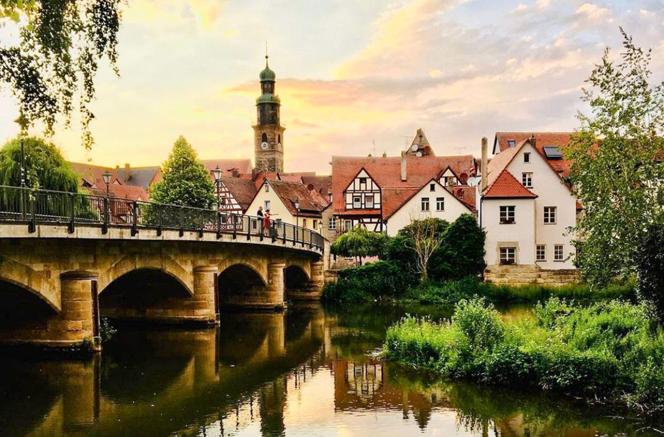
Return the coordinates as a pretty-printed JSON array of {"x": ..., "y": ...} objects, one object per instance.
[
  {"x": 374, "y": 281},
  {"x": 608, "y": 351}
]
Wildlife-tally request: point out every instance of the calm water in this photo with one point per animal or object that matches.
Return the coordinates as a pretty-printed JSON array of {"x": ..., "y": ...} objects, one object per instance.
[{"x": 308, "y": 372}]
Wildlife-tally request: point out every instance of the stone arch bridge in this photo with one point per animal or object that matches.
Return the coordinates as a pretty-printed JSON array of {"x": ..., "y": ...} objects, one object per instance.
[{"x": 60, "y": 272}]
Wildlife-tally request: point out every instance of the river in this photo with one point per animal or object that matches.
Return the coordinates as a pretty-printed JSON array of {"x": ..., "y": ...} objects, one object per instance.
[{"x": 310, "y": 371}]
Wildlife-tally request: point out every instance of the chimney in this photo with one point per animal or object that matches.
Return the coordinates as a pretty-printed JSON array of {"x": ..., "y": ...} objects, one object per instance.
[
  {"x": 127, "y": 175},
  {"x": 404, "y": 174},
  {"x": 531, "y": 140},
  {"x": 483, "y": 165}
]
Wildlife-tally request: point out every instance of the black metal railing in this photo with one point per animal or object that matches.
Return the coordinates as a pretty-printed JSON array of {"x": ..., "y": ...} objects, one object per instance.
[{"x": 33, "y": 207}]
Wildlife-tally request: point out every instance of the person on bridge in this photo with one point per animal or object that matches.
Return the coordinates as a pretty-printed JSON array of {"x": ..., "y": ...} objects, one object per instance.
[
  {"x": 266, "y": 223},
  {"x": 260, "y": 212}
]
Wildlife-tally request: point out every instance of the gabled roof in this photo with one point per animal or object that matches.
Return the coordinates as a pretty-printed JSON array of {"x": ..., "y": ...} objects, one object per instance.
[
  {"x": 506, "y": 186},
  {"x": 426, "y": 184},
  {"x": 542, "y": 140},
  {"x": 423, "y": 147},
  {"x": 386, "y": 172},
  {"x": 311, "y": 202},
  {"x": 242, "y": 190}
]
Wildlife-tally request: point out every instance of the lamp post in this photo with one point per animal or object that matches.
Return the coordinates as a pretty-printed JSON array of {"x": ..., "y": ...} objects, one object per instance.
[
  {"x": 296, "y": 203},
  {"x": 217, "y": 178},
  {"x": 107, "y": 180}
]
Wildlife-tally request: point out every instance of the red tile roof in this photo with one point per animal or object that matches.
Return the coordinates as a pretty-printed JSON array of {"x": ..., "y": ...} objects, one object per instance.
[
  {"x": 311, "y": 203},
  {"x": 542, "y": 139},
  {"x": 242, "y": 166},
  {"x": 242, "y": 190},
  {"x": 386, "y": 172},
  {"x": 464, "y": 193},
  {"x": 506, "y": 186}
]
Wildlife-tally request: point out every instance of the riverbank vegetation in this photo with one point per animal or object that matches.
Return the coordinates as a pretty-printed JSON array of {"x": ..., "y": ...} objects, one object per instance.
[{"x": 604, "y": 352}]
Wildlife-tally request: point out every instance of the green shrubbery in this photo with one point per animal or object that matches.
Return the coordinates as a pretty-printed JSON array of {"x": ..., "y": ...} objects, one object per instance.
[
  {"x": 453, "y": 291},
  {"x": 605, "y": 351},
  {"x": 373, "y": 281}
]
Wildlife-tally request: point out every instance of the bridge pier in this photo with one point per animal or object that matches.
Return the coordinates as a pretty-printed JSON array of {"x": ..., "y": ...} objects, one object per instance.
[
  {"x": 78, "y": 321},
  {"x": 205, "y": 303},
  {"x": 275, "y": 285}
]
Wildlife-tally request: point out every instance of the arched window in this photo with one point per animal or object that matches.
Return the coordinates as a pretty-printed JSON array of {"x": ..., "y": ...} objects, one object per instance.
[
  {"x": 264, "y": 137},
  {"x": 279, "y": 139}
]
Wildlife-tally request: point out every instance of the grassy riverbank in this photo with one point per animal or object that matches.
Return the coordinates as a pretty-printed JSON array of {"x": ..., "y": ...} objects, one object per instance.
[
  {"x": 607, "y": 351},
  {"x": 383, "y": 281}
]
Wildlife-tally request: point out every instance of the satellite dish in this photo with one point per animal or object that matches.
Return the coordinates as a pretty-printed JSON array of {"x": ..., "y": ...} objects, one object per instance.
[
  {"x": 418, "y": 154},
  {"x": 414, "y": 147},
  {"x": 264, "y": 145}
]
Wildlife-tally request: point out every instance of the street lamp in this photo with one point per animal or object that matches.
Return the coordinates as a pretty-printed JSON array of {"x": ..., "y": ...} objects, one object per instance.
[
  {"x": 217, "y": 178},
  {"x": 296, "y": 203},
  {"x": 107, "y": 180}
]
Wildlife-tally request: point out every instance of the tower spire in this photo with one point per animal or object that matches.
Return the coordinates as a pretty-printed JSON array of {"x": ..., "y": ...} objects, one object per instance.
[{"x": 266, "y": 55}]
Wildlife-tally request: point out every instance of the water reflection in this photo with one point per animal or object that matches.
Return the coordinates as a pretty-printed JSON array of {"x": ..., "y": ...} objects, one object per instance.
[{"x": 306, "y": 372}]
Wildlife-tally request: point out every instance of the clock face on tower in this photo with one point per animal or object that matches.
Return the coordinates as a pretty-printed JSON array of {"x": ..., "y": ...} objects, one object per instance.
[{"x": 264, "y": 145}]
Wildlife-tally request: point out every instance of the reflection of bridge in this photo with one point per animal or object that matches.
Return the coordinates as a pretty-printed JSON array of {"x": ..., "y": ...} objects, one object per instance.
[
  {"x": 67, "y": 258},
  {"x": 185, "y": 376}
]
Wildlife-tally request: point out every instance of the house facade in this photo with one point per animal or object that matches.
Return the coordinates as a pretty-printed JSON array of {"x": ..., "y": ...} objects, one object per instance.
[{"x": 527, "y": 206}]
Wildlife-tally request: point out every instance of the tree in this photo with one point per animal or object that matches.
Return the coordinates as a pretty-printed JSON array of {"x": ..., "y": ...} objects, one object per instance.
[
  {"x": 60, "y": 45},
  {"x": 461, "y": 253},
  {"x": 359, "y": 242},
  {"x": 185, "y": 180},
  {"x": 44, "y": 164},
  {"x": 425, "y": 237},
  {"x": 616, "y": 164}
]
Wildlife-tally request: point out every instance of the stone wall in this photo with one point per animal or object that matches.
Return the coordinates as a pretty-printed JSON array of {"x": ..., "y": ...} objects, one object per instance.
[{"x": 529, "y": 274}]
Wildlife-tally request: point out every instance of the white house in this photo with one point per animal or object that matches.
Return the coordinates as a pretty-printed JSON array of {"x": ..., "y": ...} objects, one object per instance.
[
  {"x": 527, "y": 208},
  {"x": 432, "y": 200},
  {"x": 282, "y": 200}
]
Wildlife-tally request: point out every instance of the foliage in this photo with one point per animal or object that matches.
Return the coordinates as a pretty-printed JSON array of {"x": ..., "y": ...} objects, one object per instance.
[
  {"x": 451, "y": 292},
  {"x": 57, "y": 56},
  {"x": 359, "y": 242},
  {"x": 106, "y": 329},
  {"x": 650, "y": 267},
  {"x": 605, "y": 351},
  {"x": 424, "y": 239},
  {"x": 617, "y": 170},
  {"x": 373, "y": 281},
  {"x": 185, "y": 181},
  {"x": 461, "y": 253},
  {"x": 44, "y": 164}
]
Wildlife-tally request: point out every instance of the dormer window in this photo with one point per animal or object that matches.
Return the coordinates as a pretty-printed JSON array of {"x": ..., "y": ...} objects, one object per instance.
[{"x": 511, "y": 143}]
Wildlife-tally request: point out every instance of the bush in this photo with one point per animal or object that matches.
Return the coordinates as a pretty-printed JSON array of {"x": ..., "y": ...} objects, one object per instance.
[
  {"x": 607, "y": 350},
  {"x": 373, "y": 281},
  {"x": 462, "y": 252},
  {"x": 359, "y": 242},
  {"x": 650, "y": 265}
]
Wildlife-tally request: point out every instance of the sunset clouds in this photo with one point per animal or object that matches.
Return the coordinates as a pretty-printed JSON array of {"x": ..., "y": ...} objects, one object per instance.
[{"x": 353, "y": 78}]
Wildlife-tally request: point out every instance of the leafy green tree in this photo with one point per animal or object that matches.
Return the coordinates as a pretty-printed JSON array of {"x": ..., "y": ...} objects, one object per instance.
[
  {"x": 44, "y": 164},
  {"x": 461, "y": 253},
  {"x": 60, "y": 45},
  {"x": 359, "y": 243},
  {"x": 617, "y": 166},
  {"x": 185, "y": 181}
]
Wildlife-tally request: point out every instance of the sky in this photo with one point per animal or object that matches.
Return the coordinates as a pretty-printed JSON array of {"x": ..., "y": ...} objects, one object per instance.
[{"x": 355, "y": 76}]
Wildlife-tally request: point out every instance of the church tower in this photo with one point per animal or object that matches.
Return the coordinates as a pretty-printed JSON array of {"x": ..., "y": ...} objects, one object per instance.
[{"x": 268, "y": 132}]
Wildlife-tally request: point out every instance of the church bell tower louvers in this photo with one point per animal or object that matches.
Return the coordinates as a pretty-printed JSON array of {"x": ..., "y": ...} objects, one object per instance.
[{"x": 268, "y": 132}]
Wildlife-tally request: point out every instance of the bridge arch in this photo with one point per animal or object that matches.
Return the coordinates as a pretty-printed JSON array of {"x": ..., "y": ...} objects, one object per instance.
[
  {"x": 23, "y": 311},
  {"x": 240, "y": 283},
  {"x": 32, "y": 281},
  {"x": 296, "y": 278},
  {"x": 164, "y": 264}
]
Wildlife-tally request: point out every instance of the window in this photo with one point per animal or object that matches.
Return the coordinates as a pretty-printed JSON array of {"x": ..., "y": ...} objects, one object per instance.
[
  {"x": 507, "y": 214},
  {"x": 558, "y": 252},
  {"x": 511, "y": 143},
  {"x": 540, "y": 253},
  {"x": 332, "y": 223},
  {"x": 527, "y": 179},
  {"x": 432, "y": 187},
  {"x": 363, "y": 183},
  {"x": 267, "y": 188},
  {"x": 313, "y": 226},
  {"x": 264, "y": 138},
  {"x": 222, "y": 201},
  {"x": 369, "y": 201},
  {"x": 267, "y": 205},
  {"x": 357, "y": 202},
  {"x": 348, "y": 225},
  {"x": 550, "y": 215},
  {"x": 425, "y": 204},
  {"x": 440, "y": 204},
  {"x": 526, "y": 157},
  {"x": 304, "y": 223},
  {"x": 507, "y": 255}
]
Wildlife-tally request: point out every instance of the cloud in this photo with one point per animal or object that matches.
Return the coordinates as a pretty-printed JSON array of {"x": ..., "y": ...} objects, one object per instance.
[{"x": 593, "y": 13}]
